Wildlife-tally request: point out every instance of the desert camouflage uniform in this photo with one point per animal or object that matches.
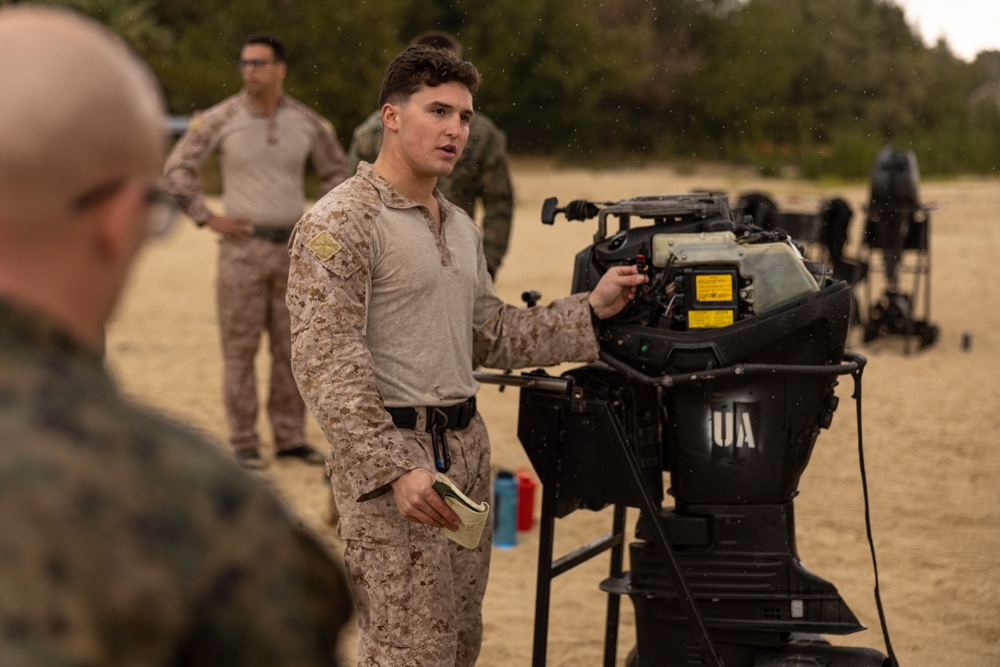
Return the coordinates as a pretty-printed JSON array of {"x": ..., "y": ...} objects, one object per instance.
[
  {"x": 263, "y": 162},
  {"x": 480, "y": 174},
  {"x": 388, "y": 312},
  {"x": 126, "y": 540}
]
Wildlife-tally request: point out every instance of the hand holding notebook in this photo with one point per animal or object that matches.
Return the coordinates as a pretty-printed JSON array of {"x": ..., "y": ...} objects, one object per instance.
[{"x": 472, "y": 515}]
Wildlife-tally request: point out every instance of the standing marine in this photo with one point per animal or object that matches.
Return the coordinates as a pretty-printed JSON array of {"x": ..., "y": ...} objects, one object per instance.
[
  {"x": 263, "y": 139},
  {"x": 392, "y": 307}
]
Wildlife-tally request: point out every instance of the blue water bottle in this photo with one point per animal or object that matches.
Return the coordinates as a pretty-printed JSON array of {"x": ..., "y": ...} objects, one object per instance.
[{"x": 504, "y": 510}]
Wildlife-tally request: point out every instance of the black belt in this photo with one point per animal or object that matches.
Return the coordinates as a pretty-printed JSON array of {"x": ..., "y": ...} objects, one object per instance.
[
  {"x": 438, "y": 420},
  {"x": 273, "y": 234}
]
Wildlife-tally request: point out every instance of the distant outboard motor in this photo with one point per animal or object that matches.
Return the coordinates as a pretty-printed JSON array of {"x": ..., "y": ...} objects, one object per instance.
[
  {"x": 898, "y": 225},
  {"x": 893, "y": 207}
]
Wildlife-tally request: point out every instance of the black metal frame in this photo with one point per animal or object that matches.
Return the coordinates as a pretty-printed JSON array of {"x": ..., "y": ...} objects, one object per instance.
[
  {"x": 549, "y": 569},
  {"x": 554, "y": 396},
  {"x": 915, "y": 259}
]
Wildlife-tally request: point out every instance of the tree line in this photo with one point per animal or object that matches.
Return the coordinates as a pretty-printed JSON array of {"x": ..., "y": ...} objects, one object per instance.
[{"x": 816, "y": 84}]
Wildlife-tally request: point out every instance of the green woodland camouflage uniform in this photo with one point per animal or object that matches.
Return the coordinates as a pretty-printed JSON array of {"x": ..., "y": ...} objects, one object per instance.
[
  {"x": 480, "y": 173},
  {"x": 387, "y": 311},
  {"x": 126, "y": 540}
]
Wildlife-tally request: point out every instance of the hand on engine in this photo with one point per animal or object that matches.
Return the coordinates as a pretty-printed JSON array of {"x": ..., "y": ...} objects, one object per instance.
[{"x": 615, "y": 289}]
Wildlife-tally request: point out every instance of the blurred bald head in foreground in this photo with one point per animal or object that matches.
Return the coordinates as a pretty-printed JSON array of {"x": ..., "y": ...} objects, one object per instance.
[
  {"x": 126, "y": 539},
  {"x": 81, "y": 147}
]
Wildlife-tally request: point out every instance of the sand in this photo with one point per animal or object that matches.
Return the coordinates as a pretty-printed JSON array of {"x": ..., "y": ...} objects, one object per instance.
[{"x": 931, "y": 419}]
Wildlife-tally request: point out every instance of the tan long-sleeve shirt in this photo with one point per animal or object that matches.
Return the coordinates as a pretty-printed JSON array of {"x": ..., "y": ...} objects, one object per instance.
[
  {"x": 387, "y": 311},
  {"x": 262, "y": 159}
]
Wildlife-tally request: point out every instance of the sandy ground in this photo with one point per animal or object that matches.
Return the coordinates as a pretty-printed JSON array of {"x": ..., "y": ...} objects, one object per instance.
[{"x": 931, "y": 420}]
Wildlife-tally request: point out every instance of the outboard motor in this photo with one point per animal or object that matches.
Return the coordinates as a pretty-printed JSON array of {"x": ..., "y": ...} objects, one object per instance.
[
  {"x": 721, "y": 372},
  {"x": 897, "y": 223}
]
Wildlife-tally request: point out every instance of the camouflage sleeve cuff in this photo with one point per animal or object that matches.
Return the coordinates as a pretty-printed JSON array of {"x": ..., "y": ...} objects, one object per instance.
[
  {"x": 194, "y": 205},
  {"x": 372, "y": 477}
]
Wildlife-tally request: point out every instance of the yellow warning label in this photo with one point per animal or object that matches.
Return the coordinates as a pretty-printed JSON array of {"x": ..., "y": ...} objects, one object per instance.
[
  {"x": 709, "y": 319},
  {"x": 713, "y": 287}
]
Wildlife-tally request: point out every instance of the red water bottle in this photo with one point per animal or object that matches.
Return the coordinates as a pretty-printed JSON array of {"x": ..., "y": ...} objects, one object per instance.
[{"x": 525, "y": 500}]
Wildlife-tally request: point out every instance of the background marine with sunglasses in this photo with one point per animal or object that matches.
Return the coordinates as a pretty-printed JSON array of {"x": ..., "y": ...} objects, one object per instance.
[{"x": 263, "y": 139}]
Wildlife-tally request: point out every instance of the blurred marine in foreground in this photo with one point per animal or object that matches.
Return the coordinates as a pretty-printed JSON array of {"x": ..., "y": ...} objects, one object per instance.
[{"x": 124, "y": 539}]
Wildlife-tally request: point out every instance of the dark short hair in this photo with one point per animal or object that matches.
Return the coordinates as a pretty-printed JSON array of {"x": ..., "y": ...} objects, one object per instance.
[
  {"x": 268, "y": 40},
  {"x": 424, "y": 66}
]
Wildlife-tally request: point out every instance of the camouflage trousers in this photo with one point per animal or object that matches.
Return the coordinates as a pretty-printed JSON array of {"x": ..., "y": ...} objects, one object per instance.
[
  {"x": 419, "y": 595},
  {"x": 250, "y": 296}
]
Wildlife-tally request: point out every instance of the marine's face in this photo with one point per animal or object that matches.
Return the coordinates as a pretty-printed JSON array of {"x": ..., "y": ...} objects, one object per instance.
[
  {"x": 262, "y": 74},
  {"x": 434, "y": 128}
]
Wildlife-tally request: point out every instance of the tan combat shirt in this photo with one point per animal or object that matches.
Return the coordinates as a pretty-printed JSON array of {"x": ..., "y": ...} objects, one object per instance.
[
  {"x": 386, "y": 311},
  {"x": 262, "y": 159}
]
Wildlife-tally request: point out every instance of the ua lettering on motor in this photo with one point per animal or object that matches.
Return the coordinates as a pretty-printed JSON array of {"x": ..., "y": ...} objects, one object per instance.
[{"x": 732, "y": 427}]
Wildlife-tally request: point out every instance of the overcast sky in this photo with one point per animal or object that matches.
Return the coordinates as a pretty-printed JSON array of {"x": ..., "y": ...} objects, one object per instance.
[{"x": 970, "y": 26}]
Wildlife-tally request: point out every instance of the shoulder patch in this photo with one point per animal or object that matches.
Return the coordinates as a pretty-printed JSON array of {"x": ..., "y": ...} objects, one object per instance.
[{"x": 323, "y": 246}]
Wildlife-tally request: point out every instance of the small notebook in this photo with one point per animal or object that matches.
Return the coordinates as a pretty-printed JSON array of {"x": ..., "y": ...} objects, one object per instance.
[{"x": 472, "y": 515}]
